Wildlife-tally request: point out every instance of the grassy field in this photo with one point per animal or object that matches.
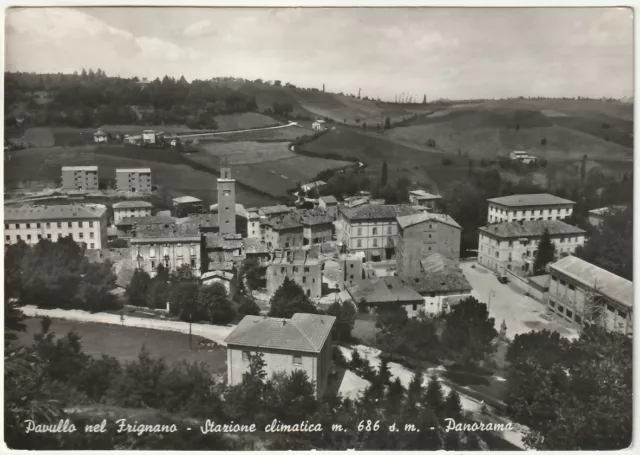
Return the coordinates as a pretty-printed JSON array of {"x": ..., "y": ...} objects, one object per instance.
[
  {"x": 39, "y": 167},
  {"x": 125, "y": 343},
  {"x": 266, "y": 166},
  {"x": 244, "y": 121}
]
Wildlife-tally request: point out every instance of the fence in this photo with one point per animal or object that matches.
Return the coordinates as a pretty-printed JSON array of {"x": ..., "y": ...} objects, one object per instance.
[{"x": 525, "y": 285}]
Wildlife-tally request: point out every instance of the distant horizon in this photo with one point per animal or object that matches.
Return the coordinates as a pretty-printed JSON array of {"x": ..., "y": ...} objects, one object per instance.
[{"x": 443, "y": 52}]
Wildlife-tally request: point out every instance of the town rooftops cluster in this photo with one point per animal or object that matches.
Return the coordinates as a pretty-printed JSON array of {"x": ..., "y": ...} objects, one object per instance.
[
  {"x": 215, "y": 240},
  {"x": 526, "y": 200},
  {"x": 420, "y": 217},
  {"x": 275, "y": 209},
  {"x": 606, "y": 283},
  {"x": 386, "y": 289},
  {"x": 171, "y": 232},
  {"x": 531, "y": 228},
  {"x": 54, "y": 212},
  {"x": 292, "y": 220},
  {"x": 379, "y": 212},
  {"x": 203, "y": 220},
  {"x": 303, "y": 332}
]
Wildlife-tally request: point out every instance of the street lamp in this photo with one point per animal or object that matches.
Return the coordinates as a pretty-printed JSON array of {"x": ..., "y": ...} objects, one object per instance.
[{"x": 491, "y": 293}]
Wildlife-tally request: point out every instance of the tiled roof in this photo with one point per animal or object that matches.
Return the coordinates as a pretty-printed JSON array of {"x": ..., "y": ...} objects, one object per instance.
[
  {"x": 223, "y": 241},
  {"x": 523, "y": 200},
  {"x": 54, "y": 212},
  {"x": 207, "y": 220},
  {"x": 424, "y": 194},
  {"x": 437, "y": 262},
  {"x": 132, "y": 204},
  {"x": 606, "y": 210},
  {"x": 225, "y": 265},
  {"x": 449, "y": 280},
  {"x": 298, "y": 219},
  {"x": 602, "y": 281},
  {"x": 159, "y": 232},
  {"x": 379, "y": 212},
  {"x": 186, "y": 199},
  {"x": 541, "y": 281},
  {"x": 329, "y": 199},
  {"x": 421, "y": 217},
  {"x": 142, "y": 220},
  {"x": 532, "y": 228},
  {"x": 275, "y": 209},
  {"x": 302, "y": 333},
  {"x": 216, "y": 274},
  {"x": 388, "y": 289},
  {"x": 254, "y": 246}
]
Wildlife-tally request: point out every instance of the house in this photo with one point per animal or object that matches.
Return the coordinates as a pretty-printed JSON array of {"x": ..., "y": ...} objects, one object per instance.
[
  {"x": 512, "y": 245},
  {"x": 597, "y": 216},
  {"x": 125, "y": 209},
  {"x": 328, "y": 204},
  {"x": 80, "y": 178},
  {"x": 422, "y": 234},
  {"x": 421, "y": 197},
  {"x": 384, "y": 291},
  {"x": 217, "y": 276},
  {"x": 529, "y": 207},
  {"x": 85, "y": 223},
  {"x": 171, "y": 245},
  {"x": 319, "y": 125},
  {"x": 274, "y": 210},
  {"x": 100, "y": 137},
  {"x": 298, "y": 265},
  {"x": 125, "y": 225},
  {"x": 298, "y": 229},
  {"x": 312, "y": 185},
  {"x": 223, "y": 248},
  {"x": 254, "y": 248},
  {"x": 254, "y": 231},
  {"x": 440, "y": 282},
  {"x": 371, "y": 229},
  {"x": 150, "y": 137},
  {"x": 300, "y": 343},
  {"x": 581, "y": 294},
  {"x": 134, "y": 180},
  {"x": 352, "y": 268},
  {"x": 186, "y": 205},
  {"x": 523, "y": 157}
]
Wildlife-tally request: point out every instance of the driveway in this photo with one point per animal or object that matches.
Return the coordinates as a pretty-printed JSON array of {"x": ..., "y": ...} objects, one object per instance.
[{"x": 522, "y": 314}]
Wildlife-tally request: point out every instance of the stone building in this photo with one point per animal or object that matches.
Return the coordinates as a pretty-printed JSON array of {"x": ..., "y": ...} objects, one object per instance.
[
  {"x": 298, "y": 229},
  {"x": 298, "y": 265}
]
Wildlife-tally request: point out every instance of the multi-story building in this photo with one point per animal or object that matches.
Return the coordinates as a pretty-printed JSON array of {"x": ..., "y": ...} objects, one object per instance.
[
  {"x": 254, "y": 231},
  {"x": 581, "y": 294},
  {"x": 186, "y": 205},
  {"x": 529, "y": 207},
  {"x": 125, "y": 209},
  {"x": 226, "y": 201},
  {"x": 352, "y": 267},
  {"x": 421, "y": 197},
  {"x": 298, "y": 229},
  {"x": 79, "y": 178},
  {"x": 85, "y": 223},
  {"x": 422, "y": 234},
  {"x": 328, "y": 204},
  {"x": 371, "y": 229},
  {"x": 298, "y": 265},
  {"x": 134, "y": 180},
  {"x": 171, "y": 245},
  {"x": 300, "y": 343},
  {"x": 512, "y": 245},
  {"x": 206, "y": 222}
]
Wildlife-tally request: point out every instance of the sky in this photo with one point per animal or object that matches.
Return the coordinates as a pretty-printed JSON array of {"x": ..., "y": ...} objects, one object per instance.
[{"x": 455, "y": 53}]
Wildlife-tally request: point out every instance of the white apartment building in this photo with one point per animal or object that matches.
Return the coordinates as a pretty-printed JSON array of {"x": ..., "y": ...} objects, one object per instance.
[
  {"x": 512, "y": 245},
  {"x": 126, "y": 209},
  {"x": 135, "y": 180},
  {"x": 86, "y": 223},
  {"x": 581, "y": 293},
  {"x": 529, "y": 207},
  {"x": 79, "y": 178},
  {"x": 371, "y": 229}
]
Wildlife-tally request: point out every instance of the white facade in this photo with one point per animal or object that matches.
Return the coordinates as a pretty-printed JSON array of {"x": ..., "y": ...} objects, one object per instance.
[
  {"x": 500, "y": 213},
  {"x": 120, "y": 213},
  {"x": 149, "y": 137},
  {"x": 318, "y": 125},
  {"x": 361, "y": 235},
  {"x": 253, "y": 227}
]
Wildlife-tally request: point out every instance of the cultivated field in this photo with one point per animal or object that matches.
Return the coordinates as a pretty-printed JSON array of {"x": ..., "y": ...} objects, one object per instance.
[
  {"x": 125, "y": 343},
  {"x": 266, "y": 166},
  {"x": 242, "y": 121}
]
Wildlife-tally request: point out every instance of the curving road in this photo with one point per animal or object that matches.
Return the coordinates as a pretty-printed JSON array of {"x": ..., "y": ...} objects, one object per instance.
[{"x": 188, "y": 136}]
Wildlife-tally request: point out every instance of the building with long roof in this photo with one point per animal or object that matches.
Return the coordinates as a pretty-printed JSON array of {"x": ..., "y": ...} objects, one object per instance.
[{"x": 529, "y": 207}]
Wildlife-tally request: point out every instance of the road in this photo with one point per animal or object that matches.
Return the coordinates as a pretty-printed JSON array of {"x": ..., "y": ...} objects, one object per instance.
[
  {"x": 521, "y": 314},
  {"x": 189, "y": 136}
]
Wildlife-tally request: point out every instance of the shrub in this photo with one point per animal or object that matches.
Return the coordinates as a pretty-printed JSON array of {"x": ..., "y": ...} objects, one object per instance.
[
  {"x": 447, "y": 161},
  {"x": 544, "y": 141},
  {"x": 431, "y": 142}
]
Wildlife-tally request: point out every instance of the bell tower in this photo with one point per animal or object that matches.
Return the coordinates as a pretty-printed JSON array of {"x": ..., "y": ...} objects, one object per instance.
[{"x": 226, "y": 200}]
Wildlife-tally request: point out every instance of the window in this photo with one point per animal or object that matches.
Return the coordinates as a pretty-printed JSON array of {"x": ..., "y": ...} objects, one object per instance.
[
  {"x": 306, "y": 269},
  {"x": 6, "y": 226},
  {"x": 49, "y": 236},
  {"x": 375, "y": 242},
  {"x": 304, "y": 279},
  {"x": 359, "y": 231},
  {"x": 245, "y": 356},
  {"x": 7, "y": 238},
  {"x": 79, "y": 224},
  {"x": 18, "y": 238},
  {"x": 497, "y": 254},
  {"x": 59, "y": 224},
  {"x": 226, "y": 192},
  {"x": 350, "y": 266},
  {"x": 572, "y": 287},
  {"x": 80, "y": 235},
  {"x": 91, "y": 235},
  {"x": 578, "y": 319},
  {"x": 562, "y": 282},
  {"x": 622, "y": 314},
  {"x": 552, "y": 304},
  {"x": 554, "y": 278},
  {"x": 359, "y": 243},
  {"x": 70, "y": 223},
  {"x": 511, "y": 244},
  {"x": 375, "y": 231},
  {"x": 38, "y": 225},
  {"x": 193, "y": 263},
  {"x": 611, "y": 309},
  {"x": 295, "y": 269},
  {"x": 297, "y": 360},
  {"x": 281, "y": 269},
  {"x": 153, "y": 264},
  {"x": 570, "y": 314},
  {"x": 28, "y": 236},
  {"x": 39, "y": 236},
  {"x": 90, "y": 223},
  {"x": 92, "y": 246},
  {"x": 415, "y": 306},
  {"x": 560, "y": 309},
  {"x": 389, "y": 230}
]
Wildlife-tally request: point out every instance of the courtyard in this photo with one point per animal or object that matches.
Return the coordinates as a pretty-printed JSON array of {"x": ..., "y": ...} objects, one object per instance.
[{"x": 508, "y": 303}]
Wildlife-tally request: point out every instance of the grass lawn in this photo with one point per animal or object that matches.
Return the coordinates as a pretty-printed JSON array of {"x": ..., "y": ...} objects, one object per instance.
[{"x": 125, "y": 343}]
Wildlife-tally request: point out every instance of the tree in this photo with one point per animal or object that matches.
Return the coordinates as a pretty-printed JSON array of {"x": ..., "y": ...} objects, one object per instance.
[
  {"x": 583, "y": 168},
  {"x": 214, "y": 305},
  {"x": 387, "y": 123},
  {"x": 247, "y": 306},
  {"x": 424, "y": 99},
  {"x": 184, "y": 273},
  {"x": 138, "y": 287},
  {"x": 543, "y": 141},
  {"x": 453, "y": 406},
  {"x": 13, "y": 318},
  {"x": 545, "y": 253},
  {"x": 434, "y": 396},
  {"x": 384, "y": 174},
  {"x": 345, "y": 313},
  {"x": 289, "y": 299}
]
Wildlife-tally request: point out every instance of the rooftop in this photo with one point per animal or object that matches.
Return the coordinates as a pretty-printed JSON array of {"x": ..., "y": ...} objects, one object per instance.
[
  {"x": 424, "y": 195},
  {"x": 606, "y": 210},
  {"x": 254, "y": 246},
  {"x": 186, "y": 199},
  {"x": 140, "y": 220},
  {"x": 525, "y": 200},
  {"x": 166, "y": 231},
  {"x": 136, "y": 169},
  {"x": 449, "y": 281},
  {"x": 329, "y": 199},
  {"x": 80, "y": 168},
  {"x": 388, "y": 289},
  {"x": 54, "y": 212},
  {"x": 132, "y": 205},
  {"x": 600, "y": 280},
  {"x": 275, "y": 209},
  {"x": 206, "y": 220},
  {"x": 223, "y": 241},
  {"x": 421, "y": 217},
  {"x": 379, "y": 212},
  {"x": 299, "y": 219},
  {"x": 303, "y": 332},
  {"x": 532, "y": 228}
]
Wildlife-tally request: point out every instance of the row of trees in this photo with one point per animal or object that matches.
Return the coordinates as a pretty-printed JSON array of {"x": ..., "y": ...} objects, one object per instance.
[{"x": 53, "y": 379}]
